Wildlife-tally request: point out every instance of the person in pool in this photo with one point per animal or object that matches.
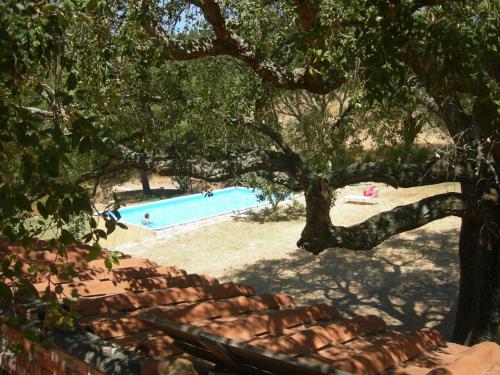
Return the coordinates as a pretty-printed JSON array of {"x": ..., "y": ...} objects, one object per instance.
[{"x": 146, "y": 219}]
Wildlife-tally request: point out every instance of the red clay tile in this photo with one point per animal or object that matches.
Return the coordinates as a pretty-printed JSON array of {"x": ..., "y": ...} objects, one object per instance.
[
  {"x": 192, "y": 294},
  {"x": 479, "y": 359},
  {"x": 127, "y": 273},
  {"x": 99, "y": 287},
  {"x": 377, "y": 353},
  {"x": 274, "y": 323},
  {"x": 232, "y": 310},
  {"x": 113, "y": 328},
  {"x": 428, "y": 360},
  {"x": 299, "y": 343},
  {"x": 124, "y": 263},
  {"x": 39, "y": 252},
  {"x": 131, "y": 301},
  {"x": 106, "y": 304},
  {"x": 216, "y": 309},
  {"x": 343, "y": 330}
]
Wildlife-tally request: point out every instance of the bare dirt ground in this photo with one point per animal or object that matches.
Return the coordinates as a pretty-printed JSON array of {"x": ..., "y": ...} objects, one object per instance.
[{"x": 409, "y": 280}]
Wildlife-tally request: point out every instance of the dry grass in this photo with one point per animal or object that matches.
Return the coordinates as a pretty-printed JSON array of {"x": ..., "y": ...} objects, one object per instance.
[{"x": 410, "y": 280}]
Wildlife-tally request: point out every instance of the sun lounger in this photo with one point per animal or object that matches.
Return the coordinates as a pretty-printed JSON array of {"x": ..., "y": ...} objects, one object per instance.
[
  {"x": 360, "y": 199},
  {"x": 235, "y": 355},
  {"x": 369, "y": 196}
]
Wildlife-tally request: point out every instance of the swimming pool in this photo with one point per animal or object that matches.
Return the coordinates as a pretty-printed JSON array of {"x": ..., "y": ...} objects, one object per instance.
[{"x": 181, "y": 210}]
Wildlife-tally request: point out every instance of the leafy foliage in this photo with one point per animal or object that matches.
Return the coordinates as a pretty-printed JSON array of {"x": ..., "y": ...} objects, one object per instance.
[
  {"x": 42, "y": 133},
  {"x": 267, "y": 191},
  {"x": 79, "y": 76}
]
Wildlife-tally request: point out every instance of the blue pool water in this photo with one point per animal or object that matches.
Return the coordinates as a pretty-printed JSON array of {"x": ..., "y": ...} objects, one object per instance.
[{"x": 181, "y": 210}]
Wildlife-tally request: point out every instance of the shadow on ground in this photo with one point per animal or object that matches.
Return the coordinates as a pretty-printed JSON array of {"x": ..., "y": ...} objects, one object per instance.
[{"x": 411, "y": 282}]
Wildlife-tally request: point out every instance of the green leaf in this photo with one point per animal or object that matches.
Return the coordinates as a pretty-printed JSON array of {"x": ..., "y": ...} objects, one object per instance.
[
  {"x": 110, "y": 226},
  {"x": 67, "y": 237},
  {"x": 53, "y": 269},
  {"x": 58, "y": 289},
  {"x": 72, "y": 81},
  {"x": 91, "y": 5},
  {"x": 49, "y": 162},
  {"x": 101, "y": 233},
  {"x": 26, "y": 289},
  {"x": 85, "y": 145},
  {"x": 66, "y": 209},
  {"x": 94, "y": 253},
  {"x": 114, "y": 257},
  {"x": 5, "y": 293},
  {"x": 108, "y": 263}
]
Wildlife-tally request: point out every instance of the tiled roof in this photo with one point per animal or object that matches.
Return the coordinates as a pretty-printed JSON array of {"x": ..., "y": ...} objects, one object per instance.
[{"x": 111, "y": 303}]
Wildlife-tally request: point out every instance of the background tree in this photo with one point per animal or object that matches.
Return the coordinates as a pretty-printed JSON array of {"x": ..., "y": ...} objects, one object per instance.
[{"x": 40, "y": 140}]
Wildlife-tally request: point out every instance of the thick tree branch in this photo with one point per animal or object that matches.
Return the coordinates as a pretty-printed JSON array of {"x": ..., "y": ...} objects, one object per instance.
[
  {"x": 232, "y": 166},
  {"x": 404, "y": 175},
  {"x": 213, "y": 14},
  {"x": 227, "y": 42},
  {"x": 378, "y": 228}
]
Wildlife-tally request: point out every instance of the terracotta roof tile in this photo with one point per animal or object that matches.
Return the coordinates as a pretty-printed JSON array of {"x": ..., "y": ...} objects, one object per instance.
[
  {"x": 482, "y": 358},
  {"x": 124, "y": 263},
  {"x": 343, "y": 330},
  {"x": 127, "y": 273},
  {"x": 299, "y": 343},
  {"x": 272, "y": 322},
  {"x": 215, "y": 309},
  {"x": 112, "y": 301},
  {"x": 130, "y": 301},
  {"x": 377, "y": 353},
  {"x": 105, "y": 287},
  {"x": 113, "y": 328}
]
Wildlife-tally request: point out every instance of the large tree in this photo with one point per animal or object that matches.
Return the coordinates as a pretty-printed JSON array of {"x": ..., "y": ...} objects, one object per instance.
[
  {"x": 215, "y": 125},
  {"x": 442, "y": 55}
]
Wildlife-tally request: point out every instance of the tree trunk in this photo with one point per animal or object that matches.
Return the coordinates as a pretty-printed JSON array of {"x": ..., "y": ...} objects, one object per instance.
[
  {"x": 146, "y": 189},
  {"x": 318, "y": 223},
  {"x": 478, "y": 307}
]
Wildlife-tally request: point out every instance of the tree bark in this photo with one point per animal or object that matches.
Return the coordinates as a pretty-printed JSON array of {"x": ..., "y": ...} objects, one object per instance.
[
  {"x": 319, "y": 234},
  {"x": 316, "y": 234},
  {"x": 478, "y": 306},
  {"x": 146, "y": 189}
]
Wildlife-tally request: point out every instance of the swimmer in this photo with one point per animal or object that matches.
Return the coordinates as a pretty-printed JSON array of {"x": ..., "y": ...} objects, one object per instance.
[{"x": 146, "y": 219}]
